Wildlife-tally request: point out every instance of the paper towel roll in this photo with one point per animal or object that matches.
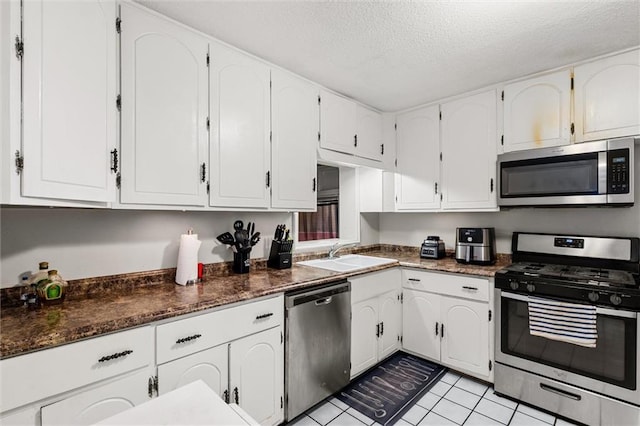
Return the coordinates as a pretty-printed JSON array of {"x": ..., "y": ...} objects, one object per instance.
[{"x": 188, "y": 258}]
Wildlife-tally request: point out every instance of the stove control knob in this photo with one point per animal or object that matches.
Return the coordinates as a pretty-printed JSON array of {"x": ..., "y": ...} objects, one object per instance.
[
  {"x": 514, "y": 285},
  {"x": 593, "y": 296},
  {"x": 615, "y": 299},
  {"x": 531, "y": 288}
]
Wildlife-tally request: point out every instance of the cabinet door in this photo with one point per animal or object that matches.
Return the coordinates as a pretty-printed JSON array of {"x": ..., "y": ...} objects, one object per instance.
[
  {"x": 97, "y": 404},
  {"x": 337, "y": 123},
  {"x": 537, "y": 112},
  {"x": 421, "y": 323},
  {"x": 210, "y": 366},
  {"x": 607, "y": 97},
  {"x": 240, "y": 126},
  {"x": 294, "y": 116},
  {"x": 390, "y": 317},
  {"x": 364, "y": 342},
  {"x": 256, "y": 379},
  {"x": 418, "y": 154},
  {"x": 369, "y": 131},
  {"x": 465, "y": 343},
  {"x": 164, "y": 111},
  {"x": 469, "y": 152},
  {"x": 69, "y": 99}
]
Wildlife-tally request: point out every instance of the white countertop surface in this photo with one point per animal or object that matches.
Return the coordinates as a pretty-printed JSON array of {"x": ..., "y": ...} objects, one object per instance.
[{"x": 192, "y": 404}]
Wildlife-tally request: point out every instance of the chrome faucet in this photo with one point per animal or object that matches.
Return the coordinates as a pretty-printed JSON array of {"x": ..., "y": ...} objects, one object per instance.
[{"x": 337, "y": 247}]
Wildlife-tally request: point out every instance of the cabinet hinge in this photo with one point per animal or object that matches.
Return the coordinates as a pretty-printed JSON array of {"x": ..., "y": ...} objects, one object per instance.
[
  {"x": 490, "y": 314},
  {"x": 440, "y": 115},
  {"x": 491, "y": 186},
  {"x": 114, "y": 160},
  {"x": 571, "y": 82},
  {"x": 19, "y": 162},
  {"x": 573, "y": 128},
  {"x": 118, "y": 25},
  {"x": 440, "y": 195},
  {"x": 119, "y": 102},
  {"x": 441, "y": 156},
  {"x": 118, "y": 181},
  {"x": 395, "y": 126},
  {"x": 396, "y": 162},
  {"x": 19, "y": 45},
  {"x": 318, "y": 136},
  {"x": 150, "y": 387},
  {"x": 401, "y": 297},
  {"x": 502, "y": 96},
  {"x": 156, "y": 385},
  {"x": 268, "y": 178},
  {"x": 314, "y": 185},
  {"x": 208, "y": 187},
  {"x": 281, "y": 338},
  {"x": 208, "y": 59},
  {"x": 502, "y": 140},
  {"x": 319, "y": 99},
  {"x": 281, "y": 402},
  {"x": 355, "y": 140},
  {"x": 271, "y": 136},
  {"x": 381, "y": 149},
  {"x": 208, "y": 124},
  {"x": 400, "y": 339},
  {"x": 490, "y": 365}
]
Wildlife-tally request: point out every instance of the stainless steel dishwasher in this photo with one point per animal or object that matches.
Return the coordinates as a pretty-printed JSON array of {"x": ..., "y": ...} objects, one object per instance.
[{"x": 318, "y": 345}]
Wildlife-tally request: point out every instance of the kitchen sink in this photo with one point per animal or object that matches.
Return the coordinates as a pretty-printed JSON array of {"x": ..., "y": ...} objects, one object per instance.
[{"x": 347, "y": 263}]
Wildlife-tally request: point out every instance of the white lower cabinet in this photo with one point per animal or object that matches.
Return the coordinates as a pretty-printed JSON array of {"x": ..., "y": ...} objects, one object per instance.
[
  {"x": 446, "y": 319},
  {"x": 376, "y": 320},
  {"x": 210, "y": 366},
  {"x": 97, "y": 404}
]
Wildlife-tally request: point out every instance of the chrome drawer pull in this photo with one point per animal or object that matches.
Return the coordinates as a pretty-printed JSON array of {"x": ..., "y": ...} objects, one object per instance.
[
  {"x": 466, "y": 287},
  {"x": 188, "y": 338},
  {"x": 414, "y": 279},
  {"x": 114, "y": 356},
  {"x": 263, "y": 316},
  {"x": 560, "y": 392}
]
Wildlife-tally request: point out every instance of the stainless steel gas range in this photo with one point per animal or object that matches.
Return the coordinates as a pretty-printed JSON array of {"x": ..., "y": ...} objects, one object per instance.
[{"x": 567, "y": 327}]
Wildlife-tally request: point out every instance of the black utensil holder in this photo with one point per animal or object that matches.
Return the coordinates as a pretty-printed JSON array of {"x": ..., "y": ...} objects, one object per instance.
[
  {"x": 241, "y": 262},
  {"x": 277, "y": 258}
]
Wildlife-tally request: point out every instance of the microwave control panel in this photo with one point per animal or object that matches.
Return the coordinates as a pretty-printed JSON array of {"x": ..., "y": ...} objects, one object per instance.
[{"x": 618, "y": 171}]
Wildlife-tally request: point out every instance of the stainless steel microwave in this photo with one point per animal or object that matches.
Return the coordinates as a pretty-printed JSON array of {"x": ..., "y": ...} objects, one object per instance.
[{"x": 590, "y": 173}]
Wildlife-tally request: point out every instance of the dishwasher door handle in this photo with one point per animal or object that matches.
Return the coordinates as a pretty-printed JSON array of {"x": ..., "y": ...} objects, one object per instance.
[{"x": 324, "y": 301}]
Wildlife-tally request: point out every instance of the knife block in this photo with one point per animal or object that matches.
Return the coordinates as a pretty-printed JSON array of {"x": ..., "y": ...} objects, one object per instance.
[
  {"x": 279, "y": 259},
  {"x": 241, "y": 262}
]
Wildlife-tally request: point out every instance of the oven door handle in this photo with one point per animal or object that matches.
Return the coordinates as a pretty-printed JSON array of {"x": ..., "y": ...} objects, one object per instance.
[{"x": 619, "y": 313}]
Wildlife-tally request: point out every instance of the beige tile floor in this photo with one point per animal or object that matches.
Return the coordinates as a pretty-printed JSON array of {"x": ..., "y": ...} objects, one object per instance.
[{"x": 454, "y": 400}]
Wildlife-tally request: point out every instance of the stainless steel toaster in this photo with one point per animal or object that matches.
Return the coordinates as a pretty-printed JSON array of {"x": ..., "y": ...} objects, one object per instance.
[{"x": 476, "y": 245}]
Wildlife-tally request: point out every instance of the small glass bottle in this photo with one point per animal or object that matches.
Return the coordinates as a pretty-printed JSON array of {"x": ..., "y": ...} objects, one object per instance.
[{"x": 51, "y": 289}]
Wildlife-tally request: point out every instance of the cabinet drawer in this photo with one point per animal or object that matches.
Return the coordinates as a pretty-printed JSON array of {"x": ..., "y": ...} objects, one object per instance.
[
  {"x": 364, "y": 287},
  {"x": 448, "y": 284},
  {"x": 38, "y": 375},
  {"x": 184, "y": 337}
]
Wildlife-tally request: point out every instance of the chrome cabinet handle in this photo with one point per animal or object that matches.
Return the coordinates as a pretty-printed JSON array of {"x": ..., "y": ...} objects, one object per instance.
[
  {"x": 114, "y": 356},
  {"x": 188, "y": 338},
  {"x": 263, "y": 316}
]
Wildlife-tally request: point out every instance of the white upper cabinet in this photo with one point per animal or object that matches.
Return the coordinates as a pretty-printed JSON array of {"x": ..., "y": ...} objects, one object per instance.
[
  {"x": 240, "y": 126},
  {"x": 69, "y": 99},
  {"x": 294, "y": 121},
  {"x": 607, "y": 97},
  {"x": 537, "y": 112},
  {"x": 164, "y": 111},
  {"x": 337, "y": 123},
  {"x": 369, "y": 134},
  {"x": 418, "y": 155},
  {"x": 469, "y": 152}
]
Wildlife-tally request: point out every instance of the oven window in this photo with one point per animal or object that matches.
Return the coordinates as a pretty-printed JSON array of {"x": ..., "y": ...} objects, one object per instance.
[
  {"x": 613, "y": 360},
  {"x": 570, "y": 175}
]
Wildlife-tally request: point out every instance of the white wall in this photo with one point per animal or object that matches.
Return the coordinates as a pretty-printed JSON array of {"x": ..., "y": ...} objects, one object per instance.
[
  {"x": 84, "y": 243},
  {"x": 411, "y": 228}
]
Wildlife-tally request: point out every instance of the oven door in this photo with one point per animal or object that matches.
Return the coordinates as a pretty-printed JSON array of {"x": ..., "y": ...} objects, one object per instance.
[{"x": 610, "y": 368}]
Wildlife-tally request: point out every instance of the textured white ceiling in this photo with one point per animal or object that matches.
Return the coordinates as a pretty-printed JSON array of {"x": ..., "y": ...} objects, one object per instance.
[{"x": 393, "y": 55}]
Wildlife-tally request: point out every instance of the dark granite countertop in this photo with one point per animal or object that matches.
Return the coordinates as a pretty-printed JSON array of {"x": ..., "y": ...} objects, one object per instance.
[{"x": 102, "y": 305}]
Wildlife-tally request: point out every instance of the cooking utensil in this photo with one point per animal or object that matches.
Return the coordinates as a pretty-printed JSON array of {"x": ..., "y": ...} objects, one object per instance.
[
  {"x": 375, "y": 401},
  {"x": 376, "y": 411},
  {"x": 376, "y": 394},
  {"x": 399, "y": 375},
  {"x": 415, "y": 366},
  {"x": 412, "y": 373},
  {"x": 226, "y": 238},
  {"x": 389, "y": 385},
  {"x": 238, "y": 225},
  {"x": 254, "y": 239},
  {"x": 390, "y": 392},
  {"x": 252, "y": 229},
  {"x": 400, "y": 380}
]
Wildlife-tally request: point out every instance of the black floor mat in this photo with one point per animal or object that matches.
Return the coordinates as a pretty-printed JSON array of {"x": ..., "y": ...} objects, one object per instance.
[{"x": 388, "y": 390}]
